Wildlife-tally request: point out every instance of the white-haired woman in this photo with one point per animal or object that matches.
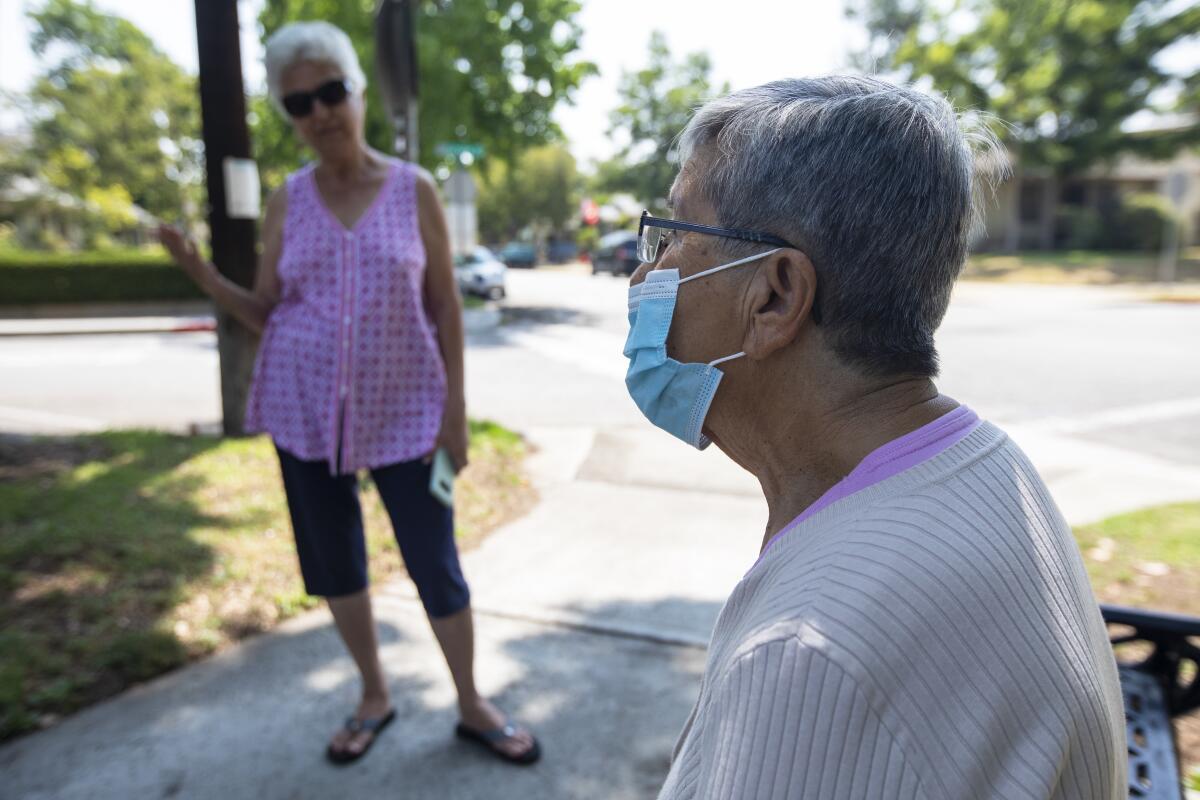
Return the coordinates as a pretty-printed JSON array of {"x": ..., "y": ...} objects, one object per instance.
[{"x": 360, "y": 367}]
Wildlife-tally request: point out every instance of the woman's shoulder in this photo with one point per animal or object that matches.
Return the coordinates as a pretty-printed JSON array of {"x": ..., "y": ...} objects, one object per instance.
[
  {"x": 414, "y": 173},
  {"x": 418, "y": 182},
  {"x": 296, "y": 180}
]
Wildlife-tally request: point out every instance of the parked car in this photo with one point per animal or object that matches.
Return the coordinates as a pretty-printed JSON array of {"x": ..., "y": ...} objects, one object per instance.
[
  {"x": 480, "y": 273},
  {"x": 519, "y": 254},
  {"x": 561, "y": 252},
  {"x": 616, "y": 253}
]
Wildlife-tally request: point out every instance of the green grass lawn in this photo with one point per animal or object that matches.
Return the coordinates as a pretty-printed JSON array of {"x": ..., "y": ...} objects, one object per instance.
[
  {"x": 1076, "y": 267},
  {"x": 123, "y": 555},
  {"x": 1147, "y": 558}
]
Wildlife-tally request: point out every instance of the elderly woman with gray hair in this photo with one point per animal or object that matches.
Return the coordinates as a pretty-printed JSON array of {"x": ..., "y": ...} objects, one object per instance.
[
  {"x": 918, "y": 623},
  {"x": 360, "y": 367}
]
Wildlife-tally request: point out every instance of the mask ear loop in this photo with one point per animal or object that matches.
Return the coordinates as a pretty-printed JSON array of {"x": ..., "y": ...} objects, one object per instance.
[
  {"x": 737, "y": 263},
  {"x": 726, "y": 358},
  {"x": 730, "y": 265}
]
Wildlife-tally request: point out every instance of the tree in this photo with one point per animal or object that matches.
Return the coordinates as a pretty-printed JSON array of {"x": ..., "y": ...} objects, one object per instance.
[
  {"x": 656, "y": 103},
  {"x": 541, "y": 191},
  {"x": 113, "y": 117},
  {"x": 1062, "y": 75},
  {"x": 491, "y": 72}
]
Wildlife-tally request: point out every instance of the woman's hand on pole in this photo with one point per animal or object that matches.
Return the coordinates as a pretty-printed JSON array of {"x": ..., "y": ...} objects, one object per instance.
[{"x": 183, "y": 249}]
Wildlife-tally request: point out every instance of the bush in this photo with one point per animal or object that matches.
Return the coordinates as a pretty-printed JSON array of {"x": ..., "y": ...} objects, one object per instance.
[
  {"x": 8, "y": 237},
  {"x": 1139, "y": 223},
  {"x": 588, "y": 238},
  {"x": 1079, "y": 228},
  {"x": 31, "y": 278}
]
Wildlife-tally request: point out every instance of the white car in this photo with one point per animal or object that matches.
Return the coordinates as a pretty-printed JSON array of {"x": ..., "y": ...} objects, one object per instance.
[{"x": 480, "y": 273}]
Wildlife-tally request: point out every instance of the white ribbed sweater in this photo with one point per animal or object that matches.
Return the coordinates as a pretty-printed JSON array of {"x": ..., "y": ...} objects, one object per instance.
[{"x": 931, "y": 636}]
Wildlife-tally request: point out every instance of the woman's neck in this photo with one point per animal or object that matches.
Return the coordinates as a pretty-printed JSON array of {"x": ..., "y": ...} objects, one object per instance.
[
  {"x": 799, "y": 449},
  {"x": 350, "y": 167}
]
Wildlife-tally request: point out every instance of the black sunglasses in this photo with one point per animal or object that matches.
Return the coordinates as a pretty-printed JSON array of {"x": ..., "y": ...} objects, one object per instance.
[
  {"x": 650, "y": 236},
  {"x": 300, "y": 104}
]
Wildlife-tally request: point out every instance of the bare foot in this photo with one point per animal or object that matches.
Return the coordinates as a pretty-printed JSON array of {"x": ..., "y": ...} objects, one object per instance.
[
  {"x": 481, "y": 716},
  {"x": 351, "y": 743}
]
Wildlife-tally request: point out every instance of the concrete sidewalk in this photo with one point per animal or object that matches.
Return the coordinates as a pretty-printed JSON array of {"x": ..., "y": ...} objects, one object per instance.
[
  {"x": 592, "y": 615},
  {"x": 252, "y": 722}
]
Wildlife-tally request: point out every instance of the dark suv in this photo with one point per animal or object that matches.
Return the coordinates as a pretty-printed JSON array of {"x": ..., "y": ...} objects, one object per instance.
[
  {"x": 519, "y": 254},
  {"x": 616, "y": 253}
]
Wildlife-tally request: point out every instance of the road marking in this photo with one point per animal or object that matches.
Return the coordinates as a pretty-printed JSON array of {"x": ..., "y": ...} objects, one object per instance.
[
  {"x": 1116, "y": 417},
  {"x": 50, "y": 419},
  {"x": 599, "y": 352},
  {"x": 590, "y": 350}
]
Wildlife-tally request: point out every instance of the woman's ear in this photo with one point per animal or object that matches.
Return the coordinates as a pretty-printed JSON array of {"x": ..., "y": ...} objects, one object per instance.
[{"x": 781, "y": 302}]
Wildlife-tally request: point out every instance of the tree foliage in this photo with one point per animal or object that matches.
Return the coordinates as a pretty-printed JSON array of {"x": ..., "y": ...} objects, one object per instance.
[
  {"x": 1064, "y": 76},
  {"x": 114, "y": 119},
  {"x": 541, "y": 190},
  {"x": 656, "y": 103},
  {"x": 491, "y": 72}
]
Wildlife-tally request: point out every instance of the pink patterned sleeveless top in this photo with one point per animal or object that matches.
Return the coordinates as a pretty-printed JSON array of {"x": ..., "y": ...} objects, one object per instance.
[{"x": 349, "y": 368}]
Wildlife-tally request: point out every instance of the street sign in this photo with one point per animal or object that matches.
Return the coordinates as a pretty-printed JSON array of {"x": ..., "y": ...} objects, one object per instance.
[
  {"x": 460, "y": 188},
  {"x": 461, "y": 215},
  {"x": 1177, "y": 187},
  {"x": 459, "y": 149},
  {"x": 1168, "y": 260}
]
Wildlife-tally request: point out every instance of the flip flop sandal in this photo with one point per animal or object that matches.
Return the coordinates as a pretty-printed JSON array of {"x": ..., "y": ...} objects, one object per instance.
[
  {"x": 489, "y": 740},
  {"x": 356, "y": 726}
]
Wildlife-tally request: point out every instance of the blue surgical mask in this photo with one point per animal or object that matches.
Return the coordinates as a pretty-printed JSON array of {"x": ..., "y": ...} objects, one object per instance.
[{"x": 674, "y": 396}]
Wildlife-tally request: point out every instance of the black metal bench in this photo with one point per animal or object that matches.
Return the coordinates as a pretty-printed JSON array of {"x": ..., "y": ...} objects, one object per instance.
[{"x": 1161, "y": 683}]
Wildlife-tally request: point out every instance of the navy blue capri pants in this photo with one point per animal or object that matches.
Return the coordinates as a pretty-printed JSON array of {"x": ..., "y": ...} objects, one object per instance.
[{"x": 327, "y": 522}]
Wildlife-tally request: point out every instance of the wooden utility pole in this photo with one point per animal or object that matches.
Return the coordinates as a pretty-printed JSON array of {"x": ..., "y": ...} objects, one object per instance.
[
  {"x": 223, "y": 107},
  {"x": 396, "y": 71}
]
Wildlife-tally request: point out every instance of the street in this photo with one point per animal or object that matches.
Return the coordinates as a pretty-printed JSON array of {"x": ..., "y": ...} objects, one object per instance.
[
  {"x": 592, "y": 611},
  {"x": 1098, "y": 366}
]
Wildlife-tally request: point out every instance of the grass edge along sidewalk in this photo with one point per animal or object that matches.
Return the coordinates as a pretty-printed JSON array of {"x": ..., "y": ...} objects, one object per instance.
[
  {"x": 126, "y": 554},
  {"x": 1080, "y": 268}
]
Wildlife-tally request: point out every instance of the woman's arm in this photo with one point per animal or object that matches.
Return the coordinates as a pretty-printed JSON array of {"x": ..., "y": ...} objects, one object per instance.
[
  {"x": 250, "y": 306},
  {"x": 444, "y": 305}
]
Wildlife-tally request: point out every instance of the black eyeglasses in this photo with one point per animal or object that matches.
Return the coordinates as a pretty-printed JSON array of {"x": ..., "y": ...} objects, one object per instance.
[
  {"x": 651, "y": 231},
  {"x": 300, "y": 104}
]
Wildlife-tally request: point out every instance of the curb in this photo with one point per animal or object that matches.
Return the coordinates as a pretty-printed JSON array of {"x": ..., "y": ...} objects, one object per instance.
[
  {"x": 481, "y": 320},
  {"x": 100, "y": 326},
  {"x": 475, "y": 320}
]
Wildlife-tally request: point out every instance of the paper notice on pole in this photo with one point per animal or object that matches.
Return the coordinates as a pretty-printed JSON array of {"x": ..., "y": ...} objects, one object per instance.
[{"x": 242, "y": 190}]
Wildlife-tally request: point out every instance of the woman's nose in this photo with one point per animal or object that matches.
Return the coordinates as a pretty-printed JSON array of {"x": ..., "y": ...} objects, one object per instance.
[{"x": 321, "y": 112}]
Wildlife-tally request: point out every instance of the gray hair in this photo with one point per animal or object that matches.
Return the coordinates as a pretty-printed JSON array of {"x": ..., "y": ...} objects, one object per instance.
[
  {"x": 875, "y": 183},
  {"x": 310, "y": 41}
]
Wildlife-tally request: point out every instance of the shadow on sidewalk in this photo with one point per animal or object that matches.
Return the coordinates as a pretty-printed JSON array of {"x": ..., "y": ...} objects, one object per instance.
[{"x": 253, "y": 722}]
